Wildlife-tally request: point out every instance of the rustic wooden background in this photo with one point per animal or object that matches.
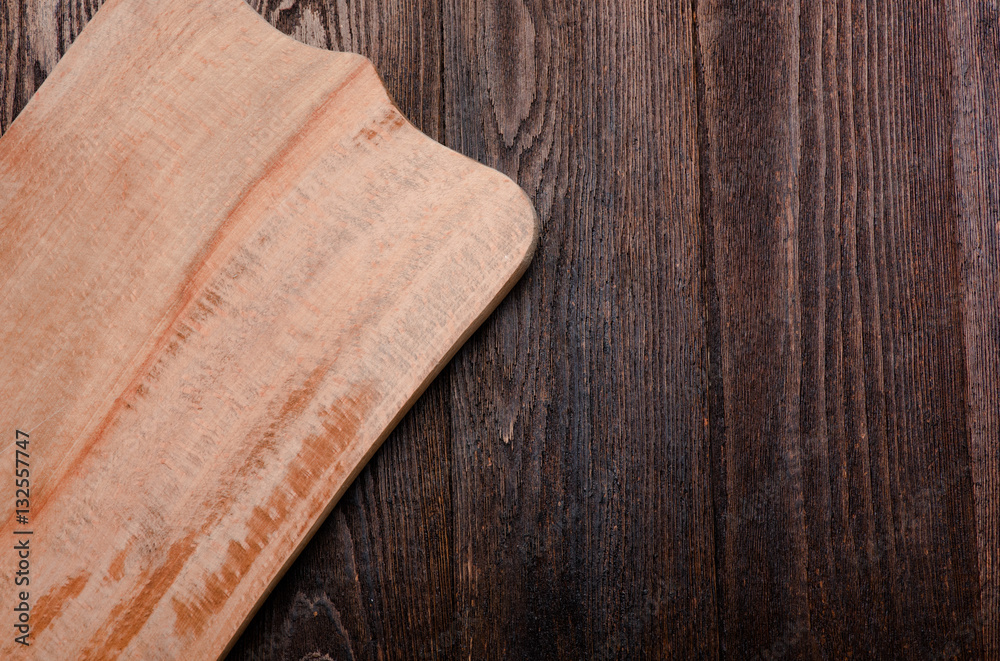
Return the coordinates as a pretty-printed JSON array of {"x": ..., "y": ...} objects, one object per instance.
[{"x": 745, "y": 404}]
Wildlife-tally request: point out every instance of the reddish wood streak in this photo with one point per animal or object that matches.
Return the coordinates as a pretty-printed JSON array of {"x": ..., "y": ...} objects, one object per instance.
[
  {"x": 130, "y": 614},
  {"x": 52, "y": 602},
  {"x": 116, "y": 570},
  {"x": 319, "y": 454}
]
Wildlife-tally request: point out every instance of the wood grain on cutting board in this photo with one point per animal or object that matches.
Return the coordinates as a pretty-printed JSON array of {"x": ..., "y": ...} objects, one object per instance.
[{"x": 228, "y": 267}]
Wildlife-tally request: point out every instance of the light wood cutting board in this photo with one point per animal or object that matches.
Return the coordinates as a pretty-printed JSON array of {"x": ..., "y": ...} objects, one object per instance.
[{"x": 228, "y": 266}]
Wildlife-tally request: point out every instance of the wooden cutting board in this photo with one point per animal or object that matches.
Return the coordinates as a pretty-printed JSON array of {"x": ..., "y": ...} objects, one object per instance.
[{"x": 228, "y": 266}]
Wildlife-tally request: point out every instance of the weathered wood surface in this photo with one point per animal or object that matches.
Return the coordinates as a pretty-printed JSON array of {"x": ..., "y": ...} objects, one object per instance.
[
  {"x": 228, "y": 266},
  {"x": 746, "y": 401}
]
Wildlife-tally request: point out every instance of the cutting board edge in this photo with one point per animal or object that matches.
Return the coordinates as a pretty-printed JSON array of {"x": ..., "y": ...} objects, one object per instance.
[{"x": 501, "y": 294}]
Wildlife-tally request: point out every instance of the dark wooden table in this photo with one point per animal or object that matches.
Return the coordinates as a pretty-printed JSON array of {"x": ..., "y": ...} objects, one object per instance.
[{"x": 745, "y": 404}]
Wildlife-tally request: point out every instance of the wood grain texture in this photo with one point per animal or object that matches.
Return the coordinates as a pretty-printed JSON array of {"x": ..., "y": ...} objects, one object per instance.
[
  {"x": 974, "y": 42},
  {"x": 582, "y": 512},
  {"x": 745, "y": 403},
  {"x": 219, "y": 299},
  {"x": 841, "y": 367}
]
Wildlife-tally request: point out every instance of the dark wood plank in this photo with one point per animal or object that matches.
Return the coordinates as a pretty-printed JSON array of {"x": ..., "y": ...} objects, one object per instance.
[
  {"x": 28, "y": 43},
  {"x": 844, "y": 502},
  {"x": 921, "y": 549},
  {"x": 11, "y": 38},
  {"x": 974, "y": 36},
  {"x": 581, "y": 500},
  {"x": 749, "y": 158}
]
